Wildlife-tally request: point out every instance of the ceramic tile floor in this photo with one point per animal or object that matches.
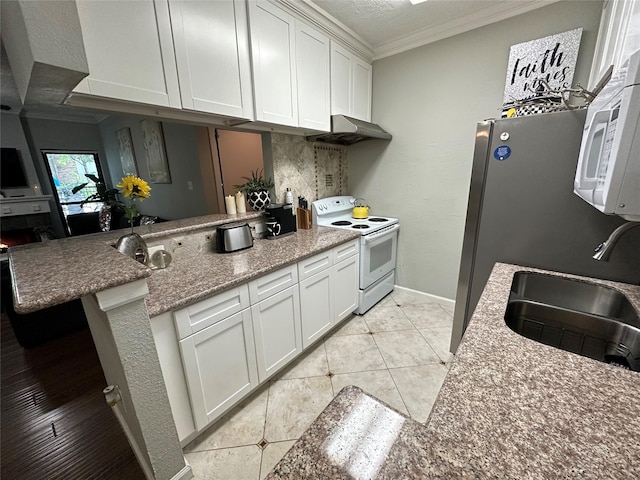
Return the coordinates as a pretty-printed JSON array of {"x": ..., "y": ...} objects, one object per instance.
[{"x": 398, "y": 352}]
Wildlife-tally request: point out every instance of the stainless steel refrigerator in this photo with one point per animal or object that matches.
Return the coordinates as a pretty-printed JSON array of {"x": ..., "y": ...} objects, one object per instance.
[{"x": 522, "y": 209}]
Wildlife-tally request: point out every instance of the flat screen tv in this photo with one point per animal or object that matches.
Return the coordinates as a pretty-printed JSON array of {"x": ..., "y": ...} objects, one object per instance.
[{"x": 11, "y": 169}]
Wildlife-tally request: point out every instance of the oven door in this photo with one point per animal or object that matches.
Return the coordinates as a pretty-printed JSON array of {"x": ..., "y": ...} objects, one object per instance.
[{"x": 377, "y": 255}]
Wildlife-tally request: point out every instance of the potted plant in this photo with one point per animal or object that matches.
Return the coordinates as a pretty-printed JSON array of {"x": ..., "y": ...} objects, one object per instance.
[
  {"x": 103, "y": 194},
  {"x": 110, "y": 206},
  {"x": 257, "y": 189}
]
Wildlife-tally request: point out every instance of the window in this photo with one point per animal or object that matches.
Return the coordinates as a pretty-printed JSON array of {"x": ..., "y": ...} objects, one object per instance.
[{"x": 67, "y": 169}]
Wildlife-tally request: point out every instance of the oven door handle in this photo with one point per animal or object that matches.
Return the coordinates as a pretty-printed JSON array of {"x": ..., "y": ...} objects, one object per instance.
[{"x": 374, "y": 236}]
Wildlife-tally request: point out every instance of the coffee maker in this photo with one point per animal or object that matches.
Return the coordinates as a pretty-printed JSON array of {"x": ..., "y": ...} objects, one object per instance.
[{"x": 280, "y": 220}]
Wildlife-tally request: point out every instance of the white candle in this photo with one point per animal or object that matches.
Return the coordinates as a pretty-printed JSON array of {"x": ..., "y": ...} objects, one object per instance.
[
  {"x": 230, "y": 202},
  {"x": 240, "y": 205}
]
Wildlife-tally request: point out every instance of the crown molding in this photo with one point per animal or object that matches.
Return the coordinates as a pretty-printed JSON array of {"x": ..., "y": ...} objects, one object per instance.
[
  {"x": 329, "y": 25},
  {"x": 482, "y": 18}
]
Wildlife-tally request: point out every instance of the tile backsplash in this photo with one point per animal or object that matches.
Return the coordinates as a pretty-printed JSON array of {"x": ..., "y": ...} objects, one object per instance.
[{"x": 312, "y": 170}]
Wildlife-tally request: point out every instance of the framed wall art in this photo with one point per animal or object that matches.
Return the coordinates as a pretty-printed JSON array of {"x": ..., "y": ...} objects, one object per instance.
[
  {"x": 156, "y": 154},
  {"x": 127, "y": 155}
]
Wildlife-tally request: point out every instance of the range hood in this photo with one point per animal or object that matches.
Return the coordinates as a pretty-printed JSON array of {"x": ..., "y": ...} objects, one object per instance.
[{"x": 347, "y": 131}]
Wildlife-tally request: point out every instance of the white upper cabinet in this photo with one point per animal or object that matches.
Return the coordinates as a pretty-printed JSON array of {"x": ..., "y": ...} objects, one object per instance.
[
  {"x": 362, "y": 79},
  {"x": 129, "y": 50},
  {"x": 312, "y": 68},
  {"x": 212, "y": 53},
  {"x": 290, "y": 69},
  {"x": 618, "y": 37},
  {"x": 273, "y": 57},
  {"x": 351, "y": 80}
]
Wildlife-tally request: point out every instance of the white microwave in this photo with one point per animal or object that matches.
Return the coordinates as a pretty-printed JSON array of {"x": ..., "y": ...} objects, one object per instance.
[{"x": 608, "y": 173}]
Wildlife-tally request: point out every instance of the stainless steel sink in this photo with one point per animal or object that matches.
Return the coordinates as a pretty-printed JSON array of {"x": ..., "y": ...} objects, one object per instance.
[{"x": 592, "y": 320}]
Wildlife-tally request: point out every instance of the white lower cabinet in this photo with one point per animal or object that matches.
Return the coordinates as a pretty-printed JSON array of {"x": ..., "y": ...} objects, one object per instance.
[
  {"x": 345, "y": 287},
  {"x": 276, "y": 329},
  {"x": 220, "y": 366},
  {"x": 316, "y": 306},
  {"x": 328, "y": 289},
  {"x": 235, "y": 340}
]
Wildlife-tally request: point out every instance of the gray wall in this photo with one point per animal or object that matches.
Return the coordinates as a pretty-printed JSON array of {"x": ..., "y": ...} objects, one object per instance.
[
  {"x": 430, "y": 99},
  {"x": 47, "y": 134},
  {"x": 173, "y": 200}
]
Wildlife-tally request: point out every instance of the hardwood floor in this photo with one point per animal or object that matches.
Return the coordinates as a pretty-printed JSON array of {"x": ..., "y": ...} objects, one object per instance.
[{"x": 55, "y": 421}]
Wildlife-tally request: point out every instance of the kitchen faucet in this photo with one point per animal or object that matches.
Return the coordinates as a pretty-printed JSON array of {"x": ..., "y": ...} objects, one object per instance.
[{"x": 603, "y": 251}]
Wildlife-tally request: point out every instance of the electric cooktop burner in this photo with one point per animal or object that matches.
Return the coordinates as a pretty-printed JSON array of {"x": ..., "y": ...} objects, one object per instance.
[
  {"x": 360, "y": 226},
  {"x": 341, "y": 223},
  {"x": 378, "y": 219}
]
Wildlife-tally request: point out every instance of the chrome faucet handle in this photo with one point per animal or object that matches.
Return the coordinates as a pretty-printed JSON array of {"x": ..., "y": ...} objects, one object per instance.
[{"x": 603, "y": 251}]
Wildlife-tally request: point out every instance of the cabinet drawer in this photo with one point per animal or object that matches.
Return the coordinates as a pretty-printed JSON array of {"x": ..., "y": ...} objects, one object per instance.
[
  {"x": 207, "y": 312},
  {"x": 24, "y": 208},
  {"x": 346, "y": 250},
  {"x": 272, "y": 283},
  {"x": 316, "y": 264}
]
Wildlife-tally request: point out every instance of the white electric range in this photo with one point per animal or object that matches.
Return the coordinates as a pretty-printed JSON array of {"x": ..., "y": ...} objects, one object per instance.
[{"x": 378, "y": 245}]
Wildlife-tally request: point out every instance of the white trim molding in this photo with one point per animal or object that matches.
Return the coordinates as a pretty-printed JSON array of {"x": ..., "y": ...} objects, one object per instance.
[
  {"x": 482, "y": 18},
  {"x": 122, "y": 295},
  {"x": 446, "y": 302}
]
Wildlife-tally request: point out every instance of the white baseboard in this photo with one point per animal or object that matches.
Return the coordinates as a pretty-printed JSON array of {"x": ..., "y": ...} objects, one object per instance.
[
  {"x": 185, "y": 473},
  {"x": 447, "y": 302}
]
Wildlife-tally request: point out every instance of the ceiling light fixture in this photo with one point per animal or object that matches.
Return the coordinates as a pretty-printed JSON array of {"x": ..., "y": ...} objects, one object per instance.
[{"x": 416, "y": 2}]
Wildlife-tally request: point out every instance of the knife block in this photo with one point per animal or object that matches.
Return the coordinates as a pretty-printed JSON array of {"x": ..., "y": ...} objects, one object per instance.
[{"x": 304, "y": 218}]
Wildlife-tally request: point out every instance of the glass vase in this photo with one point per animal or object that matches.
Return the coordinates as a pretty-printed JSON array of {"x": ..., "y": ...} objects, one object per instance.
[{"x": 134, "y": 246}]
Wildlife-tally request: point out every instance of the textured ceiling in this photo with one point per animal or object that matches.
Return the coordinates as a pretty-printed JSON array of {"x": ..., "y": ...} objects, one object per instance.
[{"x": 380, "y": 22}]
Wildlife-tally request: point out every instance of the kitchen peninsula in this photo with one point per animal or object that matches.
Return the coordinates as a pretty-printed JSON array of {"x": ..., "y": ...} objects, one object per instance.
[
  {"x": 122, "y": 298},
  {"x": 509, "y": 408}
]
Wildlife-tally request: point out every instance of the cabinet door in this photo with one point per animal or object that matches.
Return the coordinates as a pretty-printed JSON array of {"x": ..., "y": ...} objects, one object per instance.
[
  {"x": 312, "y": 64},
  {"x": 618, "y": 37},
  {"x": 340, "y": 80},
  {"x": 345, "y": 287},
  {"x": 276, "y": 327},
  {"x": 362, "y": 79},
  {"x": 316, "y": 306},
  {"x": 351, "y": 82},
  {"x": 220, "y": 366},
  {"x": 272, "y": 33},
  {"x": 129, "y": 50},
  {"x": 212, "y": 54}
]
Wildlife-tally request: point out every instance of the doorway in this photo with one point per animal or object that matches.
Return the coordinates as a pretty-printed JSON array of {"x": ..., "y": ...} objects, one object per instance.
[{"x": 227, "y": 158}]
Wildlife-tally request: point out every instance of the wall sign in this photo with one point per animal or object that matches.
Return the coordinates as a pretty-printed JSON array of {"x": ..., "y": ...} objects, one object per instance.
[{"x": 552, "y": 58}]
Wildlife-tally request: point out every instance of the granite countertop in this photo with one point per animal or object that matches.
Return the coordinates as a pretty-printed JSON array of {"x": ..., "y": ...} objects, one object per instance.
[
  {"x": 197, "y": 276},
  {"x": 509, "y": 408},
  {"x": 47, "y": 274}
]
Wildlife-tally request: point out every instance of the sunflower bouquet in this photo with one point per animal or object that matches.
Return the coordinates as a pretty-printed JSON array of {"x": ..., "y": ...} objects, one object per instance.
[{"x": 133, "y": 188}]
